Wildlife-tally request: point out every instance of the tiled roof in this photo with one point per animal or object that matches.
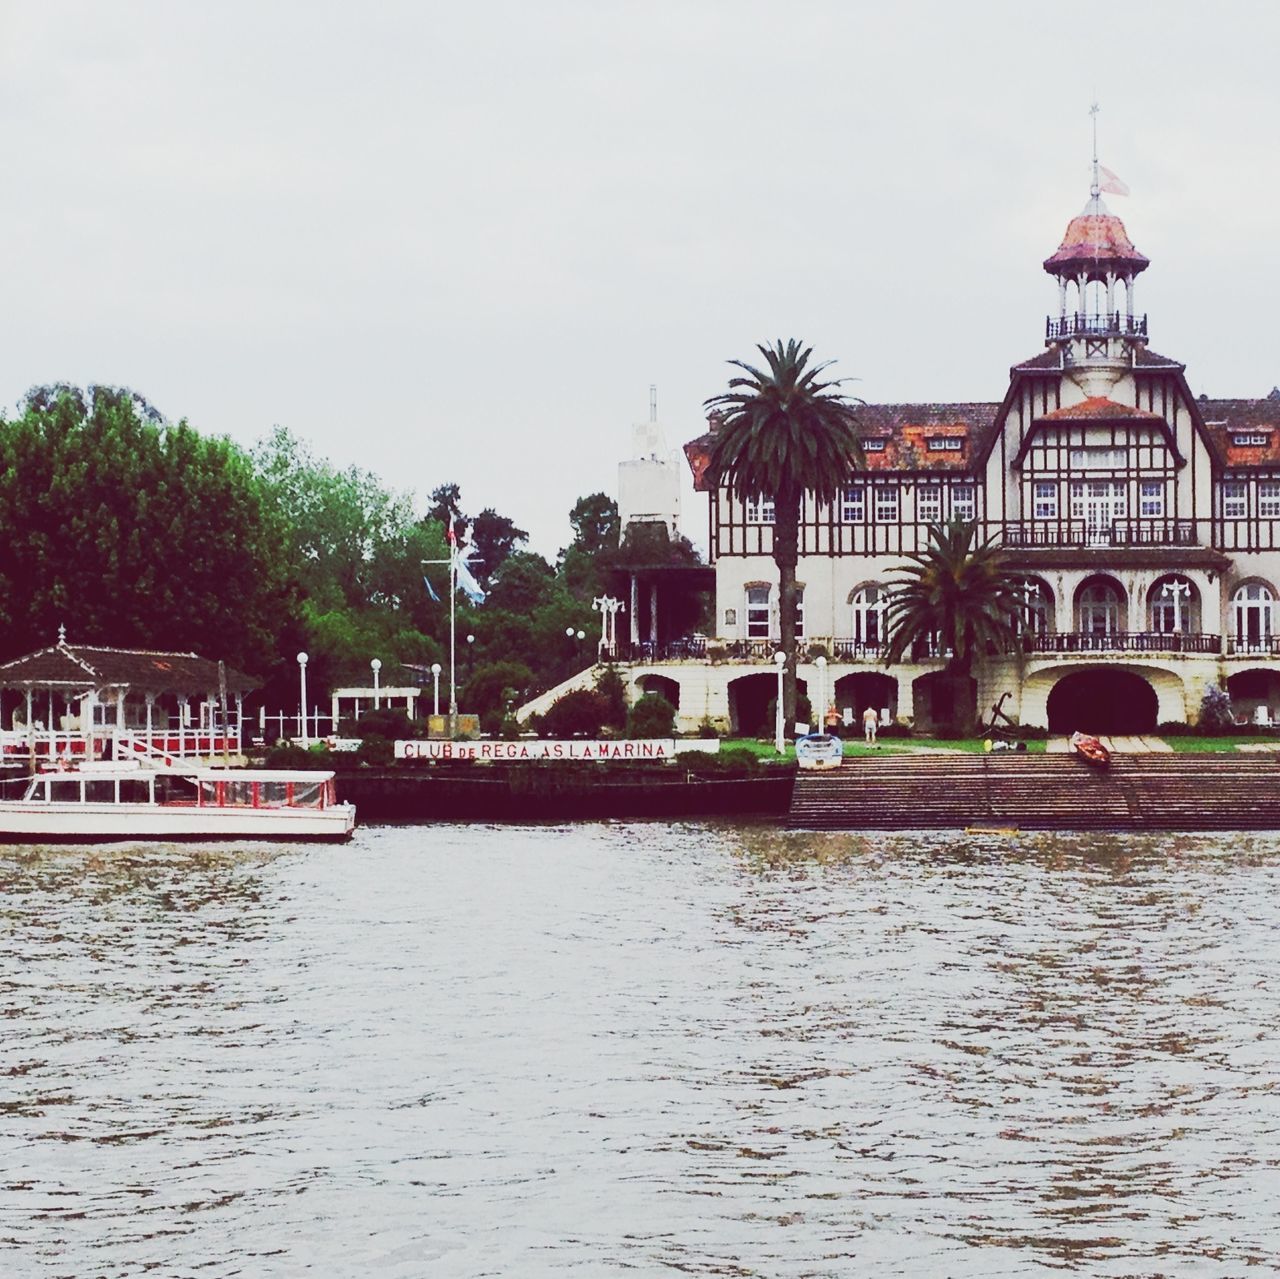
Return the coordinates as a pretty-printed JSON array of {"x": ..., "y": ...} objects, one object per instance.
[
  {"x": 1095, "y": 242},
  {"x": 1098, "y": 408},
  {"x": 906, "y": 430},
  {"x": 84, "y": 667},
  {"x": 1224, "y": 419}
]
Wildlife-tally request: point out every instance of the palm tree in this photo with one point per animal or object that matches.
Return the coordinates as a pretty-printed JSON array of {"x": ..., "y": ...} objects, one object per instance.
[
  {"x": 784, "y": 433},
  {"x": 956, "y": 598}
]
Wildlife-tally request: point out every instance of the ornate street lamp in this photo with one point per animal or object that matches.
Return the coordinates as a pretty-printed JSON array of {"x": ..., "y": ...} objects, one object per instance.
[{"x": 302, "y": 701}]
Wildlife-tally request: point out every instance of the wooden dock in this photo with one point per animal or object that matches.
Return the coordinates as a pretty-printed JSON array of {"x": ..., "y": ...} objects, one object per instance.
[{"x": 1041, "y": 792}]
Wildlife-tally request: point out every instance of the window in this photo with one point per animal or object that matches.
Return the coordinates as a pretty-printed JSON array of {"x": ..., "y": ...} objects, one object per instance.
[
  {"x": 1269, "y": 499},
  {"x": 853, "y": 504},
  {"x": 799, "y": 612},
  {"x": 1252, "y": 605},
  {"x": 886, "y": 505},
  {"x": 963, "y": 502},
  {"x": 757, "y": 612},
  {"x": 1045, "y": 500},
  {"x": 873, "y": 445},
  {"x": 1251, "y": 439},
  {"x": 1095, "y": 458},
  {"x": 869, "y": 606},
  {"x": 1235, "y": 500},
  {"x": 1039, "y": 606},
  {"x": 928, "y": 503},
  {"x": 1151, "y": 498},
  {"x": 759, "y": 510},
  {"x": 945, "y": 444},
  {"x": 1100, "y": 609}
]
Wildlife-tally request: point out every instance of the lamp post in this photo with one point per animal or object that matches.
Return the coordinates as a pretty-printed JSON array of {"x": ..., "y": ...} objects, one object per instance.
[
  {"x": 608, "y": 608},
  {"x": 302, "y": 703},
  {"x": 376, "y": 666},
  {"x": 818, "y": 710},
  {"x": 435, "y": 688},
  {"x": 779, "y": 741}
]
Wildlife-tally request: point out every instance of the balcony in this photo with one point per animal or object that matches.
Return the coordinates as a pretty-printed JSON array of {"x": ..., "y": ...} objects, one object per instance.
[
  {"x": 1088, "y": 535},
  {"x": 1103, "y": 324},
  {"x": 1122, "y": 642},
  {"x": 1259, "y": 646}
]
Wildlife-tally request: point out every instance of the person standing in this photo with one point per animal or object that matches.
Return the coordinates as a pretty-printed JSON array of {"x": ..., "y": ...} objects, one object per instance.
[{"x": 870, "y": 722}]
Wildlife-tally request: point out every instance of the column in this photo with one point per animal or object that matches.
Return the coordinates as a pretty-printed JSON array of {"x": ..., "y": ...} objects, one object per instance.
[
  {"x": 635, "y": 611},
  {"x": 653, "y": 612}
]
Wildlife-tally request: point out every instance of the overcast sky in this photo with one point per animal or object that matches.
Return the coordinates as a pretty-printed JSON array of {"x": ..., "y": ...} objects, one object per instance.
[{"x": 457, "y": 242}]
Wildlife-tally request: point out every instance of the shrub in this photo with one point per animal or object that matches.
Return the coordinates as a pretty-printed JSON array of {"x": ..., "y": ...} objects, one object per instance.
[
  {"x": 651, "y": 716},
  {"x": 731, "y": 763},
  {"x": 1174, "y": 728},
  {"x": 577, "y": 714},
  {"x": 509, "y": 729},
  {"x": 376, "y": 751},
  {"x": 287, "y": 755},
  {"x": 385, "y": 722},
  {"x": 611, "y": 687},
  {"x": 707, "y": 730},
  {"x": 1215, "y": 711},
  {"x": 886, "y": 730},
  {"x": 495, "y": 684}
]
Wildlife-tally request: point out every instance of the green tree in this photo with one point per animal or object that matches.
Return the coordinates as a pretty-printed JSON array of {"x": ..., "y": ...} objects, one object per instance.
[
  {"x": 957, "y": 597},
  {"x": 784, "y": 433},
  {"x": 135, "y": 532},
  {"x": 594, "y": 520},
  {"x": 494, "y": 537},
  {"x": 445, "y": 502}
]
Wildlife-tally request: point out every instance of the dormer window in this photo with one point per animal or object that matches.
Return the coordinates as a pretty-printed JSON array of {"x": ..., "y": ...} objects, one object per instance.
[
  {"x": 873, "y": 445},
  {"x": 945, "y": 444},
  {"x": 1251, "y": 439}
]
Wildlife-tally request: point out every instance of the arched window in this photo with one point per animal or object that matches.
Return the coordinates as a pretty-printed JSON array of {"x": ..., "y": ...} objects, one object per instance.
[
  {"x": 1099, "y": 608},
  {"x": 1252, "y": 607},
  {"x": 757, "y": 612},
  {"x": 869, "y": 604},
  {"x": 1174, "y": 606}
]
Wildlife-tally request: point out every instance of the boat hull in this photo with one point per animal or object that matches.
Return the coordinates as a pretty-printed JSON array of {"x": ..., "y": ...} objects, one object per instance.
[{"x": 44, "y": 823}]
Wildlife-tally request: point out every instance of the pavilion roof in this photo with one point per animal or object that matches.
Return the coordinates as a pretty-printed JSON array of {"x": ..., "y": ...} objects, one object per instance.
[{"x": 84, "y": 666}]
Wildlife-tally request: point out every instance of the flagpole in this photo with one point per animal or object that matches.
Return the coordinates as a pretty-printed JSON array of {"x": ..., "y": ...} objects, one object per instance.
[{"x": 453, "y": 637}]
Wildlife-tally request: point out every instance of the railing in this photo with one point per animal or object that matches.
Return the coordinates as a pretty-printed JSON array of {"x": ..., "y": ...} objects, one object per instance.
[
  {"x": 1102, "y": 324},
  {"x": 856, "y": 650},
  {"x": 1122, "y": 642},
  {"x": 681, "y": 650},
  {"x": 1262, "y": 646},
  {"x": 1024, "y": 534}
]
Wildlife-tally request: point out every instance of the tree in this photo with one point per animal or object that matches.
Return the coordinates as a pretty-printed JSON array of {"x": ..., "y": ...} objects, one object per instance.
[
  {"x": 494, "y": 537},
  {"x": 444, "y": 503},
  {"x": 782, "y": 434},
  {"x": 956, "y": 597},
  {"x": 135, "y": 532},
  {"x": 594, "y": 520}
]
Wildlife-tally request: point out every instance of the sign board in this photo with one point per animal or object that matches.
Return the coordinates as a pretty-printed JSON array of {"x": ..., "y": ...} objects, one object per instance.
[{"x": 644, "y": 748}]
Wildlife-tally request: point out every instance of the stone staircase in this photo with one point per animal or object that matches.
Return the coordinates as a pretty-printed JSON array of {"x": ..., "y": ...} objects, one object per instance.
[{"x": 1041, "y": 792}]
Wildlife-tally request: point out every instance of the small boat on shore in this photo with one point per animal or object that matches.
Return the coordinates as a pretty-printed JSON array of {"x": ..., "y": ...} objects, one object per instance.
[
  {"x": 819, "y": 750},
  {"x": 1090, "y": 749},
  {"x": 122, "y": 799}
]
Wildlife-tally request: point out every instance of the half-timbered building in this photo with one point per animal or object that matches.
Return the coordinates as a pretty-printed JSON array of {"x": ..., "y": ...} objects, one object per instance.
[{"x": 1146, "y": 521}]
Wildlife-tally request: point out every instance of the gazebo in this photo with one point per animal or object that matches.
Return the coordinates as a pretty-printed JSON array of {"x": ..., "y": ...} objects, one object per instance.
[{"x": 82, "y": 701}]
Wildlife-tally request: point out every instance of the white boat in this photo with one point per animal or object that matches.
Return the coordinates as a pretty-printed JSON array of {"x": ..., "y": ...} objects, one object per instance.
[
  {"x": 819, "y": 750},
  {"x": 124, "y": 800}
]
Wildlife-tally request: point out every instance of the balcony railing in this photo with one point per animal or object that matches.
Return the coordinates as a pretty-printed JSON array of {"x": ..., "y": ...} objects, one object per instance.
[
  {"x": 1262, "y": 646},
  {"x": 1122, "y": 642},
  {"x": 1102, "y": 324},
  {"x": 1028, "y": 534}
]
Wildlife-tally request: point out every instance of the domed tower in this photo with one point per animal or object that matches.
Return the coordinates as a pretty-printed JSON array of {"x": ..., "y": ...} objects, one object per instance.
[{"x": 1095, "y": 333}]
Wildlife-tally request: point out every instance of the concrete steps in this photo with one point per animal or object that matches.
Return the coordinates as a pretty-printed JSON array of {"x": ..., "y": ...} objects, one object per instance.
[{"x": 1042, "y": 792}]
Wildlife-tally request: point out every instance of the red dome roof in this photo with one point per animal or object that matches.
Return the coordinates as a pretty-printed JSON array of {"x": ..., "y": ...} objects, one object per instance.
[{"x": 1096, "y": 244}]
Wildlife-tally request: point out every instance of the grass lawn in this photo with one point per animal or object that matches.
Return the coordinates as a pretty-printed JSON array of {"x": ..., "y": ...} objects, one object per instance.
[
  {"x": 1198, "y": 745},
  {"x": 887, "y": 746}
]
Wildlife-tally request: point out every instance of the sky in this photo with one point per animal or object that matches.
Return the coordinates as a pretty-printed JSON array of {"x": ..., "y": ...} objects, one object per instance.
[{"x": 458, "y": 242}]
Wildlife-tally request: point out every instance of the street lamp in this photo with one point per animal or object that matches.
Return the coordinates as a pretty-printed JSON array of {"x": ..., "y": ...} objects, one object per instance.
[
  {"x": 302, "y": 703},
  {"x": 435, "y": 688},
  {"x": 376, "y": 666},
  {"x": 780, "y": 660},
  {"x": 818, "y": 710}
]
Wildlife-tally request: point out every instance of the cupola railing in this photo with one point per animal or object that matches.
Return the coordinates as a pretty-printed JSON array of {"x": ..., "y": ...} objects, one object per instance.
[{"x": 1105, "y": 324}]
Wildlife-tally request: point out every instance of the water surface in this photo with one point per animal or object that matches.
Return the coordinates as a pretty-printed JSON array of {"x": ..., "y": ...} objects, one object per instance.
[{"x": 643, "y": 1049}]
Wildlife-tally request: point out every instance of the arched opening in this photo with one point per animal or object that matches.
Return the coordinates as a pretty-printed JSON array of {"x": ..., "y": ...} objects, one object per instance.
[
  {"x": 1102, "y": 700},
  {"x": 944, "y": 701},
  {"x": 1252, "y": 609},
  {"x": 1100, "y": 607},
  {"x": 1173, "y": 606},
  {"x": 664, "y": 687},
  {"x": 854, "y": 693},
  {"x": 1255, "y": 695},
  {"x": 1037, "y": 617},
  {"x": 751, "y": 699},
  {"x": 868, "y": 604}
]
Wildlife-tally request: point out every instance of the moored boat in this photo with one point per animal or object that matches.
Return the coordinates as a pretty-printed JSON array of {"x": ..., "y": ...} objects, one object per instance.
[
  {"x": 819, "y": 750},
  {"x": 1090, "y": 749},
  {"x": 89, "y": 801}
]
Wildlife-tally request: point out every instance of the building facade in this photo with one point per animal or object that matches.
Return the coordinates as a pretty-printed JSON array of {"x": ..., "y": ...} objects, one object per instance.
[{"x": 1145, "y": 520}]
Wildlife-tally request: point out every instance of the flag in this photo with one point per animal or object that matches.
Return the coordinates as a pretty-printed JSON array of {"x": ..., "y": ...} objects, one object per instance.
[
  {"x": 470, "y": 587},
  {"x": 1108, "y": 182},
  {"x": 431, "y": 590},
  {"x": 452, "y": 536}
]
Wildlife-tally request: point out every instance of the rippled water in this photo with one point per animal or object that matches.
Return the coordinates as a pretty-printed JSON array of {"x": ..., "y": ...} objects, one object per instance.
[{"x": 642, "y": 1048}]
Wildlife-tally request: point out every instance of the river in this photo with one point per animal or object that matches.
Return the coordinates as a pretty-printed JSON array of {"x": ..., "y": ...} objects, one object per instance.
[{"x": 642, "y": 1049}]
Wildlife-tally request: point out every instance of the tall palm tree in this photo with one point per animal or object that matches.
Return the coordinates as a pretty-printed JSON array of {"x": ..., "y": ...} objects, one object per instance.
[
  {"x": 784, "y": 433},
  {"x": 956, "y": 597}
]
